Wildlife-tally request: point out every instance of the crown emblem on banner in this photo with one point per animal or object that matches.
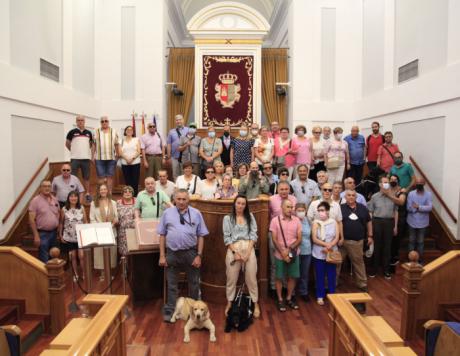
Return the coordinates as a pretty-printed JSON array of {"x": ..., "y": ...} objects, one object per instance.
[
  {"x": 228, "y": 78},
  {"x": 227, "y": 92}
]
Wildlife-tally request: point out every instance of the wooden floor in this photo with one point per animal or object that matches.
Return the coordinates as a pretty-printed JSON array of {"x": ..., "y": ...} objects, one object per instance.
[{"x": 275, "y": 333}]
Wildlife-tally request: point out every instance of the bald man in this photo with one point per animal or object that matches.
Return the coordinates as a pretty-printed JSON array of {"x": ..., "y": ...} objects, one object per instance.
[
  {"x": 151, "y": 203},
  {"x": 357, "y": 149}
]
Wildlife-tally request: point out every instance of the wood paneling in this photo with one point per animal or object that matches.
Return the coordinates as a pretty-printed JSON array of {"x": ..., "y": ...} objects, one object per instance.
[{"x": 24, "y": 277}]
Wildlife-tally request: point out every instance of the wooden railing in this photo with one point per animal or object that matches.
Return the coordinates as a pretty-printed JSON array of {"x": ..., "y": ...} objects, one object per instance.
[
  {"x": 353, "y": 334},
  {"x": 101, "y": 333},
  {"x": 433, "y": 189},
  {"x": 40, "y": 285},
  {"x": 425, "y": 288},
  {"x": 24, "y": 190}
]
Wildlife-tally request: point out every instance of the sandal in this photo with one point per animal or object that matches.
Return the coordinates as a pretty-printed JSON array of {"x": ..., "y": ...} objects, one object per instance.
[
  {"x": 320, "y": 301},
  {"x": 292, "y": 304},
  {"x": 280, "y": 305}
]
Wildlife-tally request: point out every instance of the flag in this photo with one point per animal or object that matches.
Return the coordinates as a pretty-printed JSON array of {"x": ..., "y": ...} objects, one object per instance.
[
  {"x": 154, "y": 120},
  {"x": 133, "y": 123},
  {"x": 143, "y": 124}
]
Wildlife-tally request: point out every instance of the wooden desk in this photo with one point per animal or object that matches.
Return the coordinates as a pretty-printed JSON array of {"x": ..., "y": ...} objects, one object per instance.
[
  {"x": 70, "y": 334},
  {"x": 213, "y": 276},
  {"x": 145, "y": 276}
]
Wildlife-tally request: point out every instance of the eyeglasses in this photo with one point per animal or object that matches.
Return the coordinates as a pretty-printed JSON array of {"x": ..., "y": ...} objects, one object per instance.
[
  {"x": 66, "y": 170},
  {"x": 102, "y": 121},
  {"x": 327, "y": 190},
  {"x": 321, "y": 210},
  {"x": 316, "y": 132},
  {"x": 209, "y": 172},
  {"x": 153, "y": 201},
  {"x": 152, "y": 127}
]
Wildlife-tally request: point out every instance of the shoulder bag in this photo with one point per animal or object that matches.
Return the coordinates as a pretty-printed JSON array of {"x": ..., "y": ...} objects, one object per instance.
[{"x": 292, "y": 252}]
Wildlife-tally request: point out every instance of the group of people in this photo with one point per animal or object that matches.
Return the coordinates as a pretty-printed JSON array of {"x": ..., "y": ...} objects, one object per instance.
[{"x": 314, "y": 212}]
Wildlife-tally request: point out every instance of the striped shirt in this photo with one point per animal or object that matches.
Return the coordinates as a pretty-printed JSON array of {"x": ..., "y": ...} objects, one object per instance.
[{"x": 105, "y": 144}]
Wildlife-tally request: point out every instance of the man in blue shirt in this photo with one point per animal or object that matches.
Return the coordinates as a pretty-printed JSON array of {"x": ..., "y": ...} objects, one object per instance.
[
  {"x": 357, "y": 149},
  {"x": 182, "y": 230},
  {"x": 419, "y": 205},
  {"x": 173, "y": 141}
]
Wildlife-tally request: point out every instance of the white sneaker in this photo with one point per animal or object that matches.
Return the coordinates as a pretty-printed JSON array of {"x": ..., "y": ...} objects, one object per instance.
[{"x": 320, "y": 301}]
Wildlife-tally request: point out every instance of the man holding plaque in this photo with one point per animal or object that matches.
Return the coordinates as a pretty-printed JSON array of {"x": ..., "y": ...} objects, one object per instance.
[{"x": 182, "y": 230}]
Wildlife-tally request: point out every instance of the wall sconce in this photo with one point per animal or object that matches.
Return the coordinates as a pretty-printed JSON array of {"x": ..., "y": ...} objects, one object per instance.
[
  {"x": 174, "y": 89},
  {"x": 281, "y": 88}
]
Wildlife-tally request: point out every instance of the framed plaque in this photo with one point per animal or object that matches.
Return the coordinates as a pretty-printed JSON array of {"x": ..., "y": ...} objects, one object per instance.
[{"x": 146, "y": 233}]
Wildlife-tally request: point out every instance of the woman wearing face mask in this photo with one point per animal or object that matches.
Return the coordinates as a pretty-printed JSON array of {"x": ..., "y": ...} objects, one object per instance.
[
  {"x": 336, "y": 156},
  {"x": 263, "y": 148},
  {"x": 304, "y": 148},
  {"x": 210, "y": 150},
  {"x": 325, "y": 236},
  {"x": 242, "y": 148},
  {"x": 305, "y": 252}
]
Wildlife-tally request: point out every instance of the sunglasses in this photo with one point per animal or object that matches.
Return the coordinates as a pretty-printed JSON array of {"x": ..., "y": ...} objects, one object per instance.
[
  {"x": 102, "y": 121},
  {"x": 209, "y": 172},
  {"x": 284, "y": 174},
  {"x": 327, "y": 190},
  {"x": 316, "y": 132},
  {"x": 303, "y": 190},
  {"x": 268, "y": 168},
  {"x": 153, "y": 201},
  {"x": 321, "y": 210},
  {"x": 66, "y": 170},
  {"x": 152, "y": 127}
]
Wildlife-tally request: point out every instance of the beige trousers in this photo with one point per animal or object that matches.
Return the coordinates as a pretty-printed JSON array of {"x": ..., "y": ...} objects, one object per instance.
[
  {"x": 354, "y": 250},
  {"x": 250, "y": 276}
]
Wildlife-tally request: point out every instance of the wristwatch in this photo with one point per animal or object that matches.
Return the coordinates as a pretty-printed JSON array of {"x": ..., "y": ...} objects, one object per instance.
[{"x": 199, "y": 254}]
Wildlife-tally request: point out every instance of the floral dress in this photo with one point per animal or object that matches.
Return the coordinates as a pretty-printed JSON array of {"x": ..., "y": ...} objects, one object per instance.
[
  {"x": 125, "y": 221},
  {"x": 242, "y": 151},
  {"x": 72, "y": 217}
]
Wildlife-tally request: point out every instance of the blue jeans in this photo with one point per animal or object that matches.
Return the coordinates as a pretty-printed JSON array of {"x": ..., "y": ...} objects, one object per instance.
[
  {"x": 302, "y": 282},
  {"x": 47, "y": 240},
  {"x": 416, "y": 237},
  {"x": 321, "y": 269}
]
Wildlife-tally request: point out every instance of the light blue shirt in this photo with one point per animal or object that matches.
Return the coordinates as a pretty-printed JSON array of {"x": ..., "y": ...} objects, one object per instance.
[
  {"x": 419, "y": 218},
  {"x": 359, "y": 198},
  {"x": 174, "y": 139},
  {"x": 182, "y": 236},
  {"x": 356, "y": 147},
  {"x": 310, "y": 190},
  {"x": 305, "y": 245}
]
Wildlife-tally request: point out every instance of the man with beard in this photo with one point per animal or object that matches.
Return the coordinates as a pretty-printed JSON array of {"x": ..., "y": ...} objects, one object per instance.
[
  {"x": 254, "y": 183},
  {"x": 373, "y": 142},
  {"x": 227, "y": 143}
]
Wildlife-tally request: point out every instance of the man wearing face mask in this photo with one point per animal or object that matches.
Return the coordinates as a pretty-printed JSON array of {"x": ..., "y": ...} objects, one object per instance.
[
  {"x": 384, "y": 225},
  {"x": 419, "y": 205},
  {"x": 326, "y": 133},
  {"x": 357, "y": 226},
  {"x": 254, "y": 183},
  {"x": 404, "y": 171},
  {"x": 189, "y": 146},
  {"x": 254, "y": 131},
  {"x": 227, "y": 144},
  {"x": 173, "y": 140}
]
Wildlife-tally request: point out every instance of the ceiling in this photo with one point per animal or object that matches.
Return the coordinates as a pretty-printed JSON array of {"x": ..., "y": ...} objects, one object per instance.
[{"x": 274, "y": 11}]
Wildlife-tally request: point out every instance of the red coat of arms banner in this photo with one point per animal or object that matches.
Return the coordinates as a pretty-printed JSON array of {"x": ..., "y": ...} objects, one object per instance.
[{"x": 227, "y": 90}]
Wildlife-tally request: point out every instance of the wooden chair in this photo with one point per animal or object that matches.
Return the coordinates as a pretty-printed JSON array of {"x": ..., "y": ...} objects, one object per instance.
[
  {"x": 440, "y": 339},
  {"x": 10, "y": 343}
]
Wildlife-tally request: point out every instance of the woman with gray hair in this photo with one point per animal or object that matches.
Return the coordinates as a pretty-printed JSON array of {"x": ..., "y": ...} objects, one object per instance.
[{"x": 226, "y": 190}]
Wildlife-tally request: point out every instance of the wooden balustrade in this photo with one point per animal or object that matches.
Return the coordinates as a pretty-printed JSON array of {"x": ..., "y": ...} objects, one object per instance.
[
  {"x": 425, "y": 288},
  {"x": 101, "y": 333},
  {"x": 40, "y": 285},
  {"x": 353, "y": 334}
]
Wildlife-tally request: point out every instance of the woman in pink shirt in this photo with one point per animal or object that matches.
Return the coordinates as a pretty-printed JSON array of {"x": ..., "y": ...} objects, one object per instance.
[
  {"x": 304, "y": 147},
  {"x": 285, "y": 151}
]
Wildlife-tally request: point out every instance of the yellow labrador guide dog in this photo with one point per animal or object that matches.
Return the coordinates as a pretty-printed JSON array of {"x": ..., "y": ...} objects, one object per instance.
[{"x": 197, "y": 315}]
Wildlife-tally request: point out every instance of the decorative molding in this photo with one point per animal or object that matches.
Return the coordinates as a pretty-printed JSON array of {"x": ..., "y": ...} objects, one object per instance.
[
  {"x": 278, "y": 24},
  {"x": 227, "y": 41},
  {"x": 228, "y": 19}
]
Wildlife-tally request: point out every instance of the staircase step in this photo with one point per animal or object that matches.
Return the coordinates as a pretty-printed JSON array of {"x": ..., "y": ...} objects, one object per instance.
[
  {"x": 452, "y": 314},
  {"x": 33, "y": 250},
  {"x": 9, "y": 314},
  {"x": 319, "y": 351},
  {"x": 27, "y": 239},
  {"x": 32, "y": 327}
]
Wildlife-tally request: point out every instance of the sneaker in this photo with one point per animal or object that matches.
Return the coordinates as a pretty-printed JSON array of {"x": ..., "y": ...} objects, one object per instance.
[
  {"x": 167, "y": 318},
  {"x": 320, "y": 301},
  {"x": 371, "y": 275},
  {"x": 387, "y": 275},
  {"x": 394, "y": 263},
  {"x": 292, "y": 304}
]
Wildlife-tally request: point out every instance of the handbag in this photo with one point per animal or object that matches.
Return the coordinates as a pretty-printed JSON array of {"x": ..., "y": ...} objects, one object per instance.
[
  {"x": 333, "y": 163},
  {"x": 334, "y": 257},
  {"x": 292, "y": 252}
]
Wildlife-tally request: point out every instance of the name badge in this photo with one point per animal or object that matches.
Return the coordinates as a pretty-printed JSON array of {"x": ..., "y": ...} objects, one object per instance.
[{"x": 353, "y": 216}]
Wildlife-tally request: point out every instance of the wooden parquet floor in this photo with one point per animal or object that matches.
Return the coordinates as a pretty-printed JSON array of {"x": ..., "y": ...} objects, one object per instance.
[{"x": 275, "y": 333}]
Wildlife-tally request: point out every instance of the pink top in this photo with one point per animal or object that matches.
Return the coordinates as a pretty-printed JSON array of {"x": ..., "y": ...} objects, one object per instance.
[
  {"x": 281, "y": 150},
  {"x": 46, "y": 211},
  {"x": 386, "y": 161},
  {"x": 152, "y": 144},
  {"x": 290, "y": 228},
  {"x": 336, "y": 148},
  {"x": 275, "y": 204},
  {"x": 303, "y": 151}
]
